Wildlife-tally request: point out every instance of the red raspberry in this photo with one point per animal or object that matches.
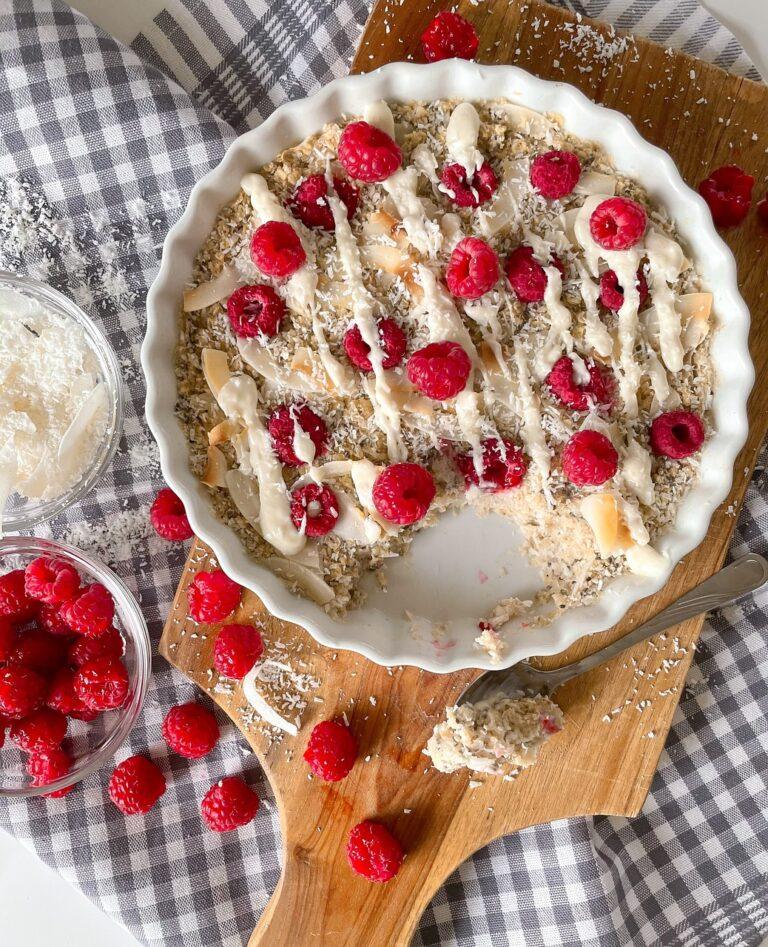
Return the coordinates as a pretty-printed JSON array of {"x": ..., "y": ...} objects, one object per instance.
[
  {"x": 42, "y": 729},
  {"x": 276, "y": 249},
  {"x": 229, "y": 804},
  {"x": 102, "y": 684},
  {"x": 190, "y": 730},
  {"x": 728, "y": 192},
  {"x": 212, "y": 596},
  {"x": 367, "y": 153},
  {"x": 612, "y": 295},
  {"x": 464, "y": 194},
  {"x": 107, "y": 645},
  {"x": 449, "y": 35},
  {"x": 62, "y": 697},
  {"x": 550, "y": 725},
  {"x": 46, "y": 766},
  {"x": 237, "y": 649},
  {"x": 527, "y": 276},
  {"x": 555, "y": 174},
  {"x": 136, "y": 785},
  {"x": 282, "y": 424},
  {"x": 51, "y": 580},
  {"x": 440, "y": 370},
  {"x": 403, "y": 493},
  {"x": 762, "y": 211},
  {"x": 314, "y": 509},
  {"x": 7, "y": 638},
  {"x": 255, "y": 311},
  {"x": 50, "y": 619},
  {"x": 168, "y": 517},
  {"x": 22, "y": 690},
  {"x": 618, "y": 223},
  {"x": 589, "y": 459},
  {"x": 500, "y": 472},
  {"x": 39, "y": 651},
  {"x": 373, "y": 851},
  {"x": 676, "y": 434},
  {"x": 91, "y": 612},
  {"x": 331, "y": 751},
  {"x": 15, "y": 603},
  {"x": 392, "y": 340},
  {"x": 473, "y": 268},
  {"x": 309, "y": 201},
  {"x": 599, "y": 390}
]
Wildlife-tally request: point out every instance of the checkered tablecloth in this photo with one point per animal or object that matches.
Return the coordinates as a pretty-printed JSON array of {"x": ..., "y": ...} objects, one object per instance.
[{"x": 100, "y": 147}]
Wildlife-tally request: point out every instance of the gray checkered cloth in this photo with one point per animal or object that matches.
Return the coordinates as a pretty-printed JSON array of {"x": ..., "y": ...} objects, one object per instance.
[{"x": 100, "y": 147}]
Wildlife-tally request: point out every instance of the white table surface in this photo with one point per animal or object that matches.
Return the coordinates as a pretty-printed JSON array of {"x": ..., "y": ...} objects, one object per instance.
[{"x": 37, "y": 907}]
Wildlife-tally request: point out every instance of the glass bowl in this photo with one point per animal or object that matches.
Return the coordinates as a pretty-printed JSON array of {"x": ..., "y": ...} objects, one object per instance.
[
  {"x": 20, "y": 513},
  {"x": 92, "y": 744}
]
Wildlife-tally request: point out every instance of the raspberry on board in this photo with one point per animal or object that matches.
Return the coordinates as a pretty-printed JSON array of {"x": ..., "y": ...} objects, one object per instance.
[
  {"x": 373, "y": 851},
  {"x": 527, "y": 276},
  {"x": 102, "y": 684},
  {"x": 331, "y": 751},
  {"x": 42, "y": 729},
  {"x": 367, "y": 153},
  {"x": 229, "y": 804},
  {"x": 91, "y": 612},
  {"x": 51, "y": 581},
  {"x": 440, "y": 370},
  {"x": 579, "y": 396},
  {"x": 109, "y": 644},
  {"x": 48, "y": 765},
  {"x": 15, "y": 603},
  {"x": 190, "y": 730},
  {"x": 448, "y": 36},
  {"x": 237, "y": 649},
  {"x": 465, "y": 193},
  {"x": 504, "y": 466},
  {"x": 612, "y": 295},
  {"x": 589, "y": 459},
  {"x": 212, "y": 596},
  {"x": 403, "y": 493},
  {"x": 314, "y": 509},
  {"x": 168, "y": 516},
  {"x": 282, "y": 430},
  {"x": 393, "y": 344},
  {"x": 309, "y": 201},
  {"x": 555, "y": 174},
  {"x": 255, "y": 311},
  {"x": 728, "y": 193},
  {"x": 62, "y": 697},
  {"x": 473, "y": 268},
  {"x": 618, "y": 223},
  {"x": 136, "y": 785},
  {"x": 39, "y": 651},
  {"x": 677, "y": 434},
  {"x": 277, "y": 250},
  {"x": 22, "y": 690}
]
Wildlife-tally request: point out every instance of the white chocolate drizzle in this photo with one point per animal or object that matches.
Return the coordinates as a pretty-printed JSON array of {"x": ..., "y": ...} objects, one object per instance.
[
  {"x": 461, "y": 135},
  {"x": 665, "y": 263},
  {"x": 530, "y": 413}
]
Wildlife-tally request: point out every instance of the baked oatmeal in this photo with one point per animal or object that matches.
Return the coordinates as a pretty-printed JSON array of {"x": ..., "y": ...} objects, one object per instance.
[{"x": 440, "y": 304}]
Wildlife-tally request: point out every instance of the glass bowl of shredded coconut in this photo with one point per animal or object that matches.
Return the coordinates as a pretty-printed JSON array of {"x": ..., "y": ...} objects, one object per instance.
[{"x": 61, "y": 403}]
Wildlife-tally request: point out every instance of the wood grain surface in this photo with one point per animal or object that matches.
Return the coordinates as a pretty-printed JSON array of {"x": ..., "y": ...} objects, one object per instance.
[{"x": 617, "y": 716}]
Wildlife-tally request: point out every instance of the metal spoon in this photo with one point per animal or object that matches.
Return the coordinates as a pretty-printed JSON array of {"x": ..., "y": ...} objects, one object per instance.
[{"x": 741, "y": 577}]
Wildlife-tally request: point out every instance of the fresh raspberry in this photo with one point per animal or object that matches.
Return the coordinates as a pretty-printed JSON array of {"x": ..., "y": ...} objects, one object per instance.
[
  {"x": 314, "y": 509},
  {"x": 22, "y": 690},
  {"x": 331, "y": 750},
  {"x": 527, "y": 276},
  {"x": 91, "y": 612},
  {"x": 440, "y": 370},
  {"x": 502, "y": 470},
  {"x": 367, "y": 153},
  {"x": 108, "y": 645},
  {"x": 229, "y": 804},
  {"x": 402, "y": 493},
  {"x": 42, "y": 729},
  {"x": 676, "y": 434},
  {"x": 212, "y": 596},
  {"x": 15, "y": 603},
  {"x": 612, "y": 295},
  {"x": 136, "y": 785},
  {"x": 309, "y": 201},
  {"x": 555, "y": 174},
  {"x": 276, "y": 249},
  {"x": 599, "y": 390},
  {"x": 51, "y": 580},
  {"x": 728, "y": 192},
  {"x": 373, "y": 851},
  {"x": 473, "y": 268},
  {"x": 282, "y": 424},
  {"x": 449, "y": 36},
  {"x": 469, "y": 194},
  {"x": 39, "y": 651},
  {"x": 62, "y": 697},
  {"x": 589, "y": 459},
  {"x": 50, "y": 619},
  {"x": 7, "y": 638},
  {"x": 46, "y": 766},
  {"x": 190, "y": 730},
  {"x": 168, "y": 517},
  {"x": 255, "y": 311},
  {"x": 392, "y": 340},
  {"x": 237, "y": 649},
  {"x": 762, "y": 211},
  {"x": 617, "y": 224},
  {"x": 102, "y": 684}
]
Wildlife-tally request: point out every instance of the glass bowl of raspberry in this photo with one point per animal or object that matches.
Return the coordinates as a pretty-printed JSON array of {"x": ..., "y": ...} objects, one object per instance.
[{"x": 75, "y": 663}]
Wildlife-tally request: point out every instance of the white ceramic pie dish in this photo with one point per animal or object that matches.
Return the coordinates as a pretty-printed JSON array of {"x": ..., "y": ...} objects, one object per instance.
[{"x": 445, "y": 575}]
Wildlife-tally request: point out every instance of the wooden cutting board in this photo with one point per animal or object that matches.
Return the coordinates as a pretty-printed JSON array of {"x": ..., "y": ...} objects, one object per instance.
[{"x": 617, "y": 717}]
